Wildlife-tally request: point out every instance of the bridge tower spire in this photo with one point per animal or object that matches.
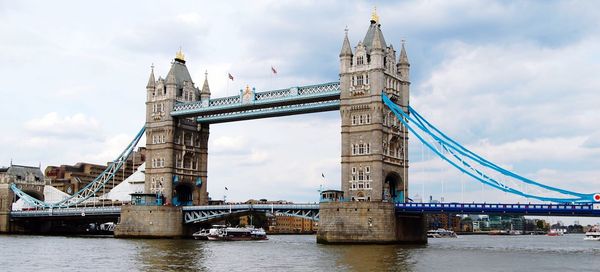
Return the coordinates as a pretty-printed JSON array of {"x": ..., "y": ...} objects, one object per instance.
[
  {"x": 176, "y": 147},
  {"x": 374, "y": 162},
  {"x": 374, "y": 147}
]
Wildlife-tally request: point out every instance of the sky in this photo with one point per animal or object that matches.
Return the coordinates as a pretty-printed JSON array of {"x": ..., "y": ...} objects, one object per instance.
[{"x": 516, "y": 81}]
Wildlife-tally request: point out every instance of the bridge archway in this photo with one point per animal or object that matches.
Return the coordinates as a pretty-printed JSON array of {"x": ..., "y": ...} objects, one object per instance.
[
  {"x": 393, "y": 188},
  {"x": 182, "y": 196}
]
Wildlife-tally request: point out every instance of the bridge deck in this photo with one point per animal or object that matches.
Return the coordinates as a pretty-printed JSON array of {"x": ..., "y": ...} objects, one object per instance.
[
  {"x": 590, "y": 210},
  {"x": 202, "y": 213}
]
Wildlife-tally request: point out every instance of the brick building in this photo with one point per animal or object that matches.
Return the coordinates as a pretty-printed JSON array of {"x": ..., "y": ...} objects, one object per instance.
[{"x": 72, "y": 178}]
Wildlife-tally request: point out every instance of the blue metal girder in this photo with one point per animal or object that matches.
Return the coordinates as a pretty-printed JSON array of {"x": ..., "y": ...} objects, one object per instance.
[
  {"x": 587, "y": 209},
  {"x": 305, "y": 95},
  {"x": 196, "y": 214}
]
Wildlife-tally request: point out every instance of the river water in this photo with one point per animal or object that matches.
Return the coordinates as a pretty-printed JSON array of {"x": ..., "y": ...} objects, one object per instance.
[{"x": 298, "y": 253}]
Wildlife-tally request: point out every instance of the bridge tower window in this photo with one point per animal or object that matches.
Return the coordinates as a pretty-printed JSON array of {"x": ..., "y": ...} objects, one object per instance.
[{"x": 354, "y": 119}]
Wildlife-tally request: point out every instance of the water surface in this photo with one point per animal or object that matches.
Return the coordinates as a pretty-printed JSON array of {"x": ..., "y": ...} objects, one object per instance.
[{"x": 298, "y": 253}]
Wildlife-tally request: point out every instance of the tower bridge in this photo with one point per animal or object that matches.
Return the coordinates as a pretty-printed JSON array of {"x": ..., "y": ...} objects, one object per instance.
[{"x": 372, "y": 96}]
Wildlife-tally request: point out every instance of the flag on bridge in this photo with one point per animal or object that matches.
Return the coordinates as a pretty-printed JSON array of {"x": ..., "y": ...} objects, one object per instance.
[
  {"x": 273, "y": 70},
  {"x": 230, "y": 76}
]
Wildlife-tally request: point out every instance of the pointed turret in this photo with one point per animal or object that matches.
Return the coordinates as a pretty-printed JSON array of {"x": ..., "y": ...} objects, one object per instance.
[
  {"x": 151, "y": 81},
  {"x": 345, "y": 54},
  {"x": 374, "y": 31},
  {"x": 346, "y": 50},
  {"x": 377, "y": 42},
  {"x": 403, "y": 56},
  {"x": 403, "y": 66},
  {"x": 205, "y": 93}
]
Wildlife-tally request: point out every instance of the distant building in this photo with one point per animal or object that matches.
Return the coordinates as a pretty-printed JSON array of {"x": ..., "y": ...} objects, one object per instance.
[
  {"x": 291, "y": 224},
  {"x": 21, "y": 174},
  {"x": 444, "y": 220},
  {"x": 72, "y": 178},
  {"x": 29, "y": 179}
]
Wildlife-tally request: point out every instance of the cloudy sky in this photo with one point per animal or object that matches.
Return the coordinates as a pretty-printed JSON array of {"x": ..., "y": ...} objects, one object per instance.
[{"x": 515, "y": 80}]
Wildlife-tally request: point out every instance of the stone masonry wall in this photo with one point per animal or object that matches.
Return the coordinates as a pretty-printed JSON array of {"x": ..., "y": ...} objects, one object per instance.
[{"x": 150, "y": 222}]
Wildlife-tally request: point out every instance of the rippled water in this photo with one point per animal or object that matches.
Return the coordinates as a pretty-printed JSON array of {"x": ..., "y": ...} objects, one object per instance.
[{"x": 298, "y": 253}]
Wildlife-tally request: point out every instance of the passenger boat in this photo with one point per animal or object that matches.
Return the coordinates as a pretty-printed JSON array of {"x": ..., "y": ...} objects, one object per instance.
[
  {"x": 593, "y": 234},
  {"x": 441, "y": 233},
  {"x": 555, "y": 232},
  {"x": 221, "y": 233}
]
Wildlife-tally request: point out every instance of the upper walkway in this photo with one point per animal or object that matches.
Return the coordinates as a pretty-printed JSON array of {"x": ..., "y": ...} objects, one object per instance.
[{"x": 254, "y": 105}]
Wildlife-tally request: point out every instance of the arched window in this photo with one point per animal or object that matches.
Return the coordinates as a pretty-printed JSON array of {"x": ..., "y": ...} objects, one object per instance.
[
  {"x": 361, "y": 149},
  {"x": 353, "y": 119},
  {"x": 353, "y": 149},
  {"x": 368, "y": 149}
]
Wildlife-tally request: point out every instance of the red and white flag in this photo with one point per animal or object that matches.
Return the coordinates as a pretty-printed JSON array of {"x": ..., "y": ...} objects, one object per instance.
[
  {"x": 230, "y": 76},
  {"x": 273, "y": 70}
]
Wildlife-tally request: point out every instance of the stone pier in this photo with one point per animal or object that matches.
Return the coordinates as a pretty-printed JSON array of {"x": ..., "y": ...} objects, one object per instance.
[
  {"x": 368, "y": 223},
  {"x": 150, "y": 222}
]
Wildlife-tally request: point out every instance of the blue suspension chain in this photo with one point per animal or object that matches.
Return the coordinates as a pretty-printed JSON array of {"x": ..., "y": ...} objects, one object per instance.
[{"x": 420, "y": 123}]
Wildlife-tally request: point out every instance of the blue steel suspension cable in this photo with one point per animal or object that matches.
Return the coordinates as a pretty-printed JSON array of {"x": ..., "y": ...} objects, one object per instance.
[
  {"x": 478, "y": 159},
  {"x": 402, "y": 116},
  {"x": 461, "y": 149}
]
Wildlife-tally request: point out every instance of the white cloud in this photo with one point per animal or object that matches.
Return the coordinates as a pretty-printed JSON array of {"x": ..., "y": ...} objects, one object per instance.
[
  {"x": 228, "y": 144},
  {"x": 53, "y": 124}
]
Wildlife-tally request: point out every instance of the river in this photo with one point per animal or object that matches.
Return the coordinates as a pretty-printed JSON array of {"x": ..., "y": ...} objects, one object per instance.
[{"x": 298, "y": 253}]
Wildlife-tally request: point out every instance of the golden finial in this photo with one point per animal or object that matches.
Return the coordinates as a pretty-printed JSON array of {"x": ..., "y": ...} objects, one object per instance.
[
  {"x": 179, "y": 55},
  {"x": 374, "y": 17}
]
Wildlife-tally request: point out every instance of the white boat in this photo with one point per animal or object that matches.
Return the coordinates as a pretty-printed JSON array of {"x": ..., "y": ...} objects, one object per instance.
[
  {"x": 593, "y": 234},
  {"x": 222, "y": 233},
  {"x": 555, "y": 232},
  {"x": 441, "y": 233}
]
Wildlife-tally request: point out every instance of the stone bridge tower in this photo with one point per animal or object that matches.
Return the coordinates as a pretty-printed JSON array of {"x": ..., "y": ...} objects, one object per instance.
[
  {"x": 177, "y": 148},
  {"x": 374, "y": 154},
  {"x": 374, "y": 148}
]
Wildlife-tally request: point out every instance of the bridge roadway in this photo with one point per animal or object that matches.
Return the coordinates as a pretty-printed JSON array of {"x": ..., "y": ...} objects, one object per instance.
[
  {"x": 197, "y": 214},
  {"x": 587, "y": 209}
]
